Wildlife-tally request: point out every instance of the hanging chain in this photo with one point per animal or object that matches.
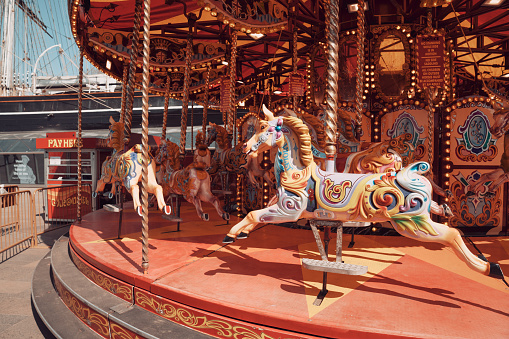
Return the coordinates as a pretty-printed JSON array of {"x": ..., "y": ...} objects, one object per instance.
[
  {"x": 332, "y": 79},
  {"x": 166, "y": 104},
  {"x": 144, "y": 136},
  {"x": 185, "y": 99},
  {"x": 135, "y": 46},
  {"x": 361, "y": 33},
  {"x": 80, "y": 107},
  {"x": 233, "y": 78},
  {"x": 205, "y": 104}
]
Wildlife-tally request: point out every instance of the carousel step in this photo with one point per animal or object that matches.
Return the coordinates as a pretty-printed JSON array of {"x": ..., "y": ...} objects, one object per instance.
[
  {"x": 112, "y": 208},
  {"x": 172, "y": 218},
  {"x": 334, "y": 267},
  {"x": 113, "y": 314}
]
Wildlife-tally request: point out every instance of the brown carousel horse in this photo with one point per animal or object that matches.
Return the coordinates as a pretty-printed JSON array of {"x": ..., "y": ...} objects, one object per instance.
[
  {"x": 379, "y": 157},
  {"x": 202, "y": 152},
  {"x": 126, "y": 168},
  {"x": 307, "y": 192},
  {"x": 233, "y": 160},
  {"x": 496, "y": 178},
  {"x": 192, "y": 182}
]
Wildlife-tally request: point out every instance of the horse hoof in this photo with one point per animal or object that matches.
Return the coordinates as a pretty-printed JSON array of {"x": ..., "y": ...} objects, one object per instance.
[
  {"x": 94, "y": 194},
  {"x": 205, "y": 217},
  {"x": 447, "y": 210},
  {"x": 496, "y": 271},
  {"x": 138, "y": 209},
  {"x": 167, "y": 209},
  {"x": 242, "y": 235},
  {"x": 482, "y": 257},
  {"x": 110, "y": 195},
  {"x": 226, "y": 216},
  {"x": 228, "y": 240}
]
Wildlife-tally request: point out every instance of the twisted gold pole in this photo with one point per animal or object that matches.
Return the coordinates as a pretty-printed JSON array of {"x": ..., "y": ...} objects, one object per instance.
[
  {"x": 430, "y": 129},
  {"x": 233, "y": 78},
  {"x": 125, "y": 79},
  {"x": 138, "y": 9},
  {"x": 294, "y": 64},
  {"x": 185, "y": 99},
  {"x": 166, "y": 103},
  {"x": 144, "y": 135},
  {"x": 206, "y": 104},
  {"x": 361, "y": 33},
  {"x": 80, "y": 106},
  {"x": 332, "y": 83}
]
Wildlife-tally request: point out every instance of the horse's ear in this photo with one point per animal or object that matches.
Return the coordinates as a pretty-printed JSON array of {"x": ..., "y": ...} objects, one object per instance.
[
  {"x": 289, "y": 113},
  {"x": 268, "y": 114},
  {"x": 111, "y": 120}
]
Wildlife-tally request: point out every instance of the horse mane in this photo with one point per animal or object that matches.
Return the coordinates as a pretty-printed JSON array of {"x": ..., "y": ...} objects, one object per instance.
[
  {"x": 302, "y": 131},
  {"x": 222, "y": 137},
  {"x": 117, "y": 136},
  {"x": 172, "y": 149},
  {"x": 317, "y": 125}
]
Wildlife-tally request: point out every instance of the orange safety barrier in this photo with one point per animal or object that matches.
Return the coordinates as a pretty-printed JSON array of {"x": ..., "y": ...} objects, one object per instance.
[
  {"x": 24, "y": 215},
  {"x": 16, "y": 219}
]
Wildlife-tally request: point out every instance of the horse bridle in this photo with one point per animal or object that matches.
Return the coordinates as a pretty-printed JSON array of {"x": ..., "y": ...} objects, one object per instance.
[{"x": 271, "y": 130}]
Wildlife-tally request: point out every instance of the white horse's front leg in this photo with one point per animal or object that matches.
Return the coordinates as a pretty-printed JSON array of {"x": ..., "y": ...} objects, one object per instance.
[{"x": 288, "y": 209}]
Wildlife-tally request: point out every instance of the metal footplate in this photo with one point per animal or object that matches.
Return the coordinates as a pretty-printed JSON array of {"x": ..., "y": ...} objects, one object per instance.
[
  {"x": 334, "y": 267},
  {"x": 112, "y": 208}
]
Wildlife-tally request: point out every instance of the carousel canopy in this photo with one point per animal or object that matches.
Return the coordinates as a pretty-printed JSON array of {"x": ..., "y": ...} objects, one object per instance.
[{"x": 476, "y": 31}]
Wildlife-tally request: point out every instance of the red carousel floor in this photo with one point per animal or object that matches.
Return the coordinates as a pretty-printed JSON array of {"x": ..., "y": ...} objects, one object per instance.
[{"x": 412, "y": 289}]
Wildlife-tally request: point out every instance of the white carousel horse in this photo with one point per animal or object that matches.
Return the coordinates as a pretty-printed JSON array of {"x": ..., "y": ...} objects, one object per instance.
[
  {"x": 126, "y": 168},
  {"x": 378, "y": 157},
  {"x": 305, "y": 191},
  {"x": 192, "y": 182}
]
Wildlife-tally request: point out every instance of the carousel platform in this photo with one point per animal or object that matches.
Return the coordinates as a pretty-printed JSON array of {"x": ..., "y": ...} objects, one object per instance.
[{"x": 257, "y": 287}]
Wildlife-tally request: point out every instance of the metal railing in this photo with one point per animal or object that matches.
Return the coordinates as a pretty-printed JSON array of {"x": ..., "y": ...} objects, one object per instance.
[{"x": 24, "y": 215}]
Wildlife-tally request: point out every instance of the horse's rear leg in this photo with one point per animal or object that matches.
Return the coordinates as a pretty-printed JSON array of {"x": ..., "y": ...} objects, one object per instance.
[
  {"x": 199, "y": 210},
  {"x": 211, "y": 199},
  {"x": 452, "y": 238},
  {"x": 135, "y": 193}
]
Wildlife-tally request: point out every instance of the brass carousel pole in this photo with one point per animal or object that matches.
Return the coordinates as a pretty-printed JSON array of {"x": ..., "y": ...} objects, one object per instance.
[
  {"x": 430, "y": 93},
  {"x": 125, "y": 79},
  {"x": 332, "y": 16},
  {"x": 233, "y": 77},
  {"x": 80, "y": 106},
  {"x": 166, "y": 104},
  {"x": 185, "y": 99},
  {"x": 361, "y": 34},
  {"x": 206, "y": 104},
  {"x": 138, "y": 8},
  {"x": 144, "y": 137},
  {"x": 294, "y": 64}
]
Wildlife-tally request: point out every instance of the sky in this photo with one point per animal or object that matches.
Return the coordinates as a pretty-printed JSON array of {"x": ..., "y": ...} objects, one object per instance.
[{"x": 32, "y": 40}]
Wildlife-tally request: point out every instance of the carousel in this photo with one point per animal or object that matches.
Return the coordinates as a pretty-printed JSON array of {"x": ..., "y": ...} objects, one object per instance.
[{"x": 357, "y": 187}]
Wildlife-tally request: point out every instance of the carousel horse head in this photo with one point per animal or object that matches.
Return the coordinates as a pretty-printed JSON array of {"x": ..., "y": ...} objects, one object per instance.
[
  {"x": 116, "y": 135},
  {"x": 270, "y": 133},
  {"x": 172, "y": 153},
  {"x": 219, "y": 135},
  {"x": 200, "y": 139}
]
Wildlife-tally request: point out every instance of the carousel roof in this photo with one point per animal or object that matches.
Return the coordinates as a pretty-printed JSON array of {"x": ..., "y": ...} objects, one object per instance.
[{"x": 477, "y": 32}]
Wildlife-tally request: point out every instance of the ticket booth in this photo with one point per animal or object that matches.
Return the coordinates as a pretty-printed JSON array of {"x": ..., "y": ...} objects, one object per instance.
[{"x": 61, "y": 164}]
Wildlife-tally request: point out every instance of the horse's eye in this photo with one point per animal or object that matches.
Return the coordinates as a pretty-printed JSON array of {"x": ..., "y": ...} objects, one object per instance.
[{"x": 262, "y": 127}]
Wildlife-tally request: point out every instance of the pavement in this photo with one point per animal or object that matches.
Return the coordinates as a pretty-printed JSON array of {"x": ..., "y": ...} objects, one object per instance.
[{"x": 18, "y": 318}]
